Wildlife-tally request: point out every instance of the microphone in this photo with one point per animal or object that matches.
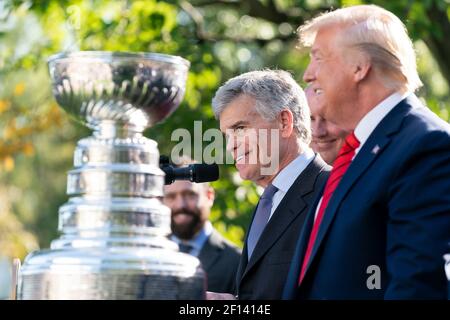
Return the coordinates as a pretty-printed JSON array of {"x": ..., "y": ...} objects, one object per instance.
[{"x": 197, "y": 172}]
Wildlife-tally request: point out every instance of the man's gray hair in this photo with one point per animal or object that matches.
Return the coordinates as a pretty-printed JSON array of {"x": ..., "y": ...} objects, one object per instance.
[
  {"x": 274, "y": 91},
  {"x": 379, "y": 34}
]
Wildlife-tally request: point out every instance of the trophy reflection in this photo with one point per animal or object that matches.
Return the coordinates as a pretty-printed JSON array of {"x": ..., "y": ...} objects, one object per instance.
[{"x": 113, "y": 242}]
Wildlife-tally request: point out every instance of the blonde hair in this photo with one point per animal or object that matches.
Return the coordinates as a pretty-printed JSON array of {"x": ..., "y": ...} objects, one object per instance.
[{"x": 379, "y": 34}]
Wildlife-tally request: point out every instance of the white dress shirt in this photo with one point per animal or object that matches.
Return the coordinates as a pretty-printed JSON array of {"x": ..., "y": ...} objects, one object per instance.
[
  {"x": 370, "y": 121},
  {"x": 287, "y": 176}
]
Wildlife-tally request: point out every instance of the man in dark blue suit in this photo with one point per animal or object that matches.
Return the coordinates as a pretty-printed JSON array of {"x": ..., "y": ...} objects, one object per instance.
[{"x": 382, "y": 224}]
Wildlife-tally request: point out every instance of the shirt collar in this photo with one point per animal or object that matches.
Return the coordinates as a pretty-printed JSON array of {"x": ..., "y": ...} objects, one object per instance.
[
  {"x": 286, "y": 177},
  {"x": 370, "y": 121}
]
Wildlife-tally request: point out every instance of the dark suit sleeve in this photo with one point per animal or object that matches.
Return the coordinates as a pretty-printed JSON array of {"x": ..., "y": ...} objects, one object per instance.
[{"x": 418, "y": 230}]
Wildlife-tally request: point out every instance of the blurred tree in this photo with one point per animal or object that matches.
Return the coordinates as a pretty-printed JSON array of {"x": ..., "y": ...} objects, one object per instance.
[
  {"x": 220, "y": 38},
  {"x": 426, "y": 20},
  {"x": 15, "y": 242}
]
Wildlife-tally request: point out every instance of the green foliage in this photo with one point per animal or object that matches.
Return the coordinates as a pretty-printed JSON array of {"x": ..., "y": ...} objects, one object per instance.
[{"x": 220, "y": 39}]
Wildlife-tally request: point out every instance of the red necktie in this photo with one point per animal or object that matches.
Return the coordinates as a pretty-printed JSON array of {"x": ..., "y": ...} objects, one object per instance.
[{"x": 343, "y": 161}]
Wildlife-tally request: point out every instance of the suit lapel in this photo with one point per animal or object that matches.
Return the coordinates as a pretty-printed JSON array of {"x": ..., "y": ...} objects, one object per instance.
[
  {"x": 287, "y": 211},
  {"x": 372, "y": 148},
  {"x": 297, "y": 260},
  {"x": 289, "y": 208},
  {"x": 244, "y": 257},
  {"x": 210, "y": 251}
]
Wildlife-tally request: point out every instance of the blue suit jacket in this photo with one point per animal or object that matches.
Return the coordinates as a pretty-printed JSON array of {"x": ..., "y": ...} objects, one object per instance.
[{"x": 390, "y": 211}]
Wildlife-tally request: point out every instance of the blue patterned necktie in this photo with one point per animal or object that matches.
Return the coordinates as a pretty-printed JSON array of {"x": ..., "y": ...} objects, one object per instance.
[{"x": 261, "y": 218}]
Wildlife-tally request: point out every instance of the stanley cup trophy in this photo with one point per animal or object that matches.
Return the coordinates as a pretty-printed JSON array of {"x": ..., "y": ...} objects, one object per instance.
[{"x": 114, "y": 228}]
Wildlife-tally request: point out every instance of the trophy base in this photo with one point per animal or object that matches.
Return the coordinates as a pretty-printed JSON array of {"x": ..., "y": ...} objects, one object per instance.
[{"x": 111, "y": 274}]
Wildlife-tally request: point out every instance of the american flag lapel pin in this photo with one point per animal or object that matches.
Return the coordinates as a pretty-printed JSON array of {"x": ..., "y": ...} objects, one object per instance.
[{"x": 376, "y": 149}]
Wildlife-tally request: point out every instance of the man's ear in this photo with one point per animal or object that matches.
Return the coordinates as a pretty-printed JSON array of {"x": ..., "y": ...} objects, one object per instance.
[
  {"x": 286, "y": 123},
  {"x": 361, "y": 67}
]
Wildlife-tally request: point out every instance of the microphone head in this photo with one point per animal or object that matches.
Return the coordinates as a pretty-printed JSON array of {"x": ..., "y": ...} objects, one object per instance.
[{"x": 204, "y": 172}]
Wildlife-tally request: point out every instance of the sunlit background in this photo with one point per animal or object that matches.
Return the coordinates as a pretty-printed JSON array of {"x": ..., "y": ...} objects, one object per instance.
[{"x": 220, "y": 38}]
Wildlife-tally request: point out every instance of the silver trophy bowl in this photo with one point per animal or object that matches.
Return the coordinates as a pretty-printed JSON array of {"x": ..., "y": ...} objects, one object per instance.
[
  {"x": 136, "y": 90},
  {"x": 114, "y": 228}
]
